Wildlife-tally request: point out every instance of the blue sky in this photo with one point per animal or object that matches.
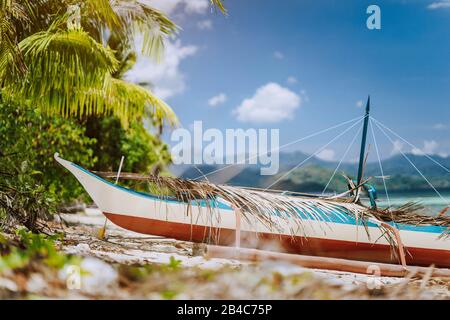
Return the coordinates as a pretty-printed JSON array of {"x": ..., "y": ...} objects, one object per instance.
[{"x": 302, "y": 66}]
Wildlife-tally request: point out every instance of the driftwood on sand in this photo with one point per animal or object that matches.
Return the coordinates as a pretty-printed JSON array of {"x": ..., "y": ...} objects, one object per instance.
[{"x": 363, "y": 267}]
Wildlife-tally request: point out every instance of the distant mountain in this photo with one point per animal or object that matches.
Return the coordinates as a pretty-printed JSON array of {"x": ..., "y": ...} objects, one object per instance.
[
  {"x": 314, "y": 175},
  {"x": 399, "y": 165}
]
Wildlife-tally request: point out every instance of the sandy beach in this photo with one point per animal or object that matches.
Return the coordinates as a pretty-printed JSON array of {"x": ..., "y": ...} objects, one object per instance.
[{"x": 192, "y": 276}]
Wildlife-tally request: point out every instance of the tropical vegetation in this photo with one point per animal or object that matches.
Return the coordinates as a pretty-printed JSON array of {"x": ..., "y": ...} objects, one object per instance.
[
  {"x": 67, "y": 57},
  {"x": 62, "y": 65}
]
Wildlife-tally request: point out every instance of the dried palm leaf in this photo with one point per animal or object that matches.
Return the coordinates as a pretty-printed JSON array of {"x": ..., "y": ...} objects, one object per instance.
[{"x": 271, "y": 207}]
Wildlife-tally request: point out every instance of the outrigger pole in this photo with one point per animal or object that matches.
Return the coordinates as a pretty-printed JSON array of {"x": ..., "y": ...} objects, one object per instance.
[{"x": 363, "y": 143}]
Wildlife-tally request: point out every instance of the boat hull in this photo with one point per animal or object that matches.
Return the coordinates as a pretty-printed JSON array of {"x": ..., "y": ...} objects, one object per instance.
[
  {"x": 331, "y": 235},
  {"x": 323, "y": 247}
]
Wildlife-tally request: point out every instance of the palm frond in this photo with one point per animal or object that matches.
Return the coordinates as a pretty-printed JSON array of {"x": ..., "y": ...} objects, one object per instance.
[
  {"x": 67, "y": 69},
  {"x": 69, "y": 73},
  {"x": 129, "y": 100},
  {"x": 63, "y": 66},
  {"x": 153, "y": 25},
  {"x": 101, "y": 10},
  {"x": 277, "y": 211},
  {"x": 12, "y": 15},
  {"x": 413, "y": 213},
  {"x": 219, "y": 5},
  {"x": 267, "y": 207}
]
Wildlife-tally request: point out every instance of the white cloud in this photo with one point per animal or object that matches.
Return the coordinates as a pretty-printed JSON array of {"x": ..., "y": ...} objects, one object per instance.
[
  {"x": 443, "y": 154},
  {"x": 292, "y": 80},
  {"x": 271, "y": 103},
  {"x": 359, "y": 103},
  {"x": 164, "y": 78},
  {"x": 429, "y": 147},
  {"x": 205, "y": 24},
  {"x": 166, "y": 6},
  {"x": 439, "y": 5},
  {"x": 170, "y": 6},
  {"x": 217, "y": 100},
  {"x": 197, "y": 6},
  {"x": 326, "y": 154},
  {"x": 440, "y": 126},
  {"x": 278, "y": 55},
  {"x": 398, "y": 147}
]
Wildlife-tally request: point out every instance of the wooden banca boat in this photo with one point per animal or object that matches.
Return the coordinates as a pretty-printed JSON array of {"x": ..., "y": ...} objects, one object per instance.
[{"x": 338, "y": 226}]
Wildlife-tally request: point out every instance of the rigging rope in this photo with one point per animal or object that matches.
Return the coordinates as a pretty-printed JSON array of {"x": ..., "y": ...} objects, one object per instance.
[
  {"x": 406, "y": 157},
  {"x": 285, "y": 145},
  {"x": 381, "y": 166},
  {"x": 410, "y": 144},
  {"x": 201, "y": 172},
  {"x": 342, "y": 159},
  {"x": 315, "y": 153}
]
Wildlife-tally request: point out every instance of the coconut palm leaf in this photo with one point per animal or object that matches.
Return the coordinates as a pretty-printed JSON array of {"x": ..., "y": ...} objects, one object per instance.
[
  {"x": 413, "y": 213},
  {"x": 139, "y": 18},
  {"x": 131, "y": 100},
  {"x": 66, "y": 68},
  {"x": 101, "y": 10},
  {"x": 276, "y": 210},
  {"x": 63, "y": 66},
  {"x": 267, "y": 207},
  {"x": 219, "y": 5},
  {"x": 69, "y": 74},
  {"x": 13, "y": 14}
]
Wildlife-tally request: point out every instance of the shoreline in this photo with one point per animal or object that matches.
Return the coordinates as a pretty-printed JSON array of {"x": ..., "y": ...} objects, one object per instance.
[
  {"x": 129, "y": 248},
  {"x": 127, "y": 265}
]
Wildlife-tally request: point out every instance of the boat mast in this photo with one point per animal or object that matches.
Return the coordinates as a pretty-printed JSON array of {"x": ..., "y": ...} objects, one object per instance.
[{"x": 363, "y": 143}]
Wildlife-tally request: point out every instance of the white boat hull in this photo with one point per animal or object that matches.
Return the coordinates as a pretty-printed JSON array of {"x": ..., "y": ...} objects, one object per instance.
[{"x": 339, "y": 236}]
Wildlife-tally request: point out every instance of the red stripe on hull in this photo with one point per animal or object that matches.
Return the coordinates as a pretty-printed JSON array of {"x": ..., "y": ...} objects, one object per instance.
[{"x": 300, "y": 245}]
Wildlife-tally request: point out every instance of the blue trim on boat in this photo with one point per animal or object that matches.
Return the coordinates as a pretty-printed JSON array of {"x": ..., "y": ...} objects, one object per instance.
[
  {"x": 202, "y": 203},
  {"x": 220, "y": 205}
]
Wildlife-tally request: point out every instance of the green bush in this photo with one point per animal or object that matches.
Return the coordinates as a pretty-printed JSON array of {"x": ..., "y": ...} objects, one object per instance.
[
  {"x": 28, "y": 136},
  {"x": 143, "y": 151},
  {"x": 23, "y": 200},
  {"x": 94, "y": 143}
]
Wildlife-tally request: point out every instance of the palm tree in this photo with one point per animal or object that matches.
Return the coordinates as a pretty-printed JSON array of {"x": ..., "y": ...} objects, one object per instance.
[{"x": 66, "y": 57}]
